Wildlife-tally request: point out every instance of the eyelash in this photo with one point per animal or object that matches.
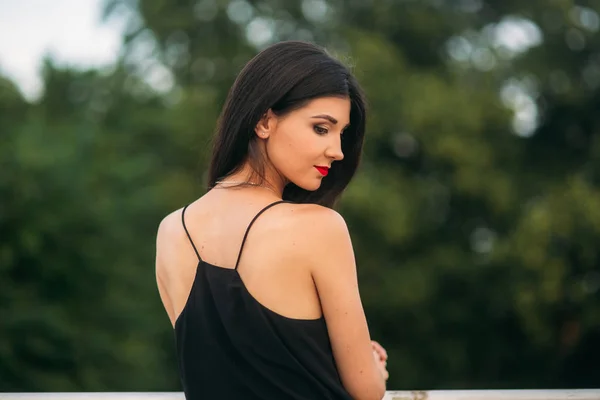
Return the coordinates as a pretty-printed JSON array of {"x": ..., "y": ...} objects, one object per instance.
[
  {"x": 319, "y": 130},
  {"x": 316, "y": 128}
]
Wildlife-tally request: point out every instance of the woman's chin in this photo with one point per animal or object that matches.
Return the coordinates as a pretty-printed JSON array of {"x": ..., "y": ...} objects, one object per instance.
[{"x": 309, "y": 186}]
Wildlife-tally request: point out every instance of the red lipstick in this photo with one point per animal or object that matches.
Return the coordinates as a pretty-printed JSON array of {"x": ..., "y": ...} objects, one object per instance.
[{"x": 322, "y": 170}]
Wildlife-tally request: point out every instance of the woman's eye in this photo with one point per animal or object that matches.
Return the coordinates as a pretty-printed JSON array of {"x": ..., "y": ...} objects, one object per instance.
[{"x": 320, "y": 130}]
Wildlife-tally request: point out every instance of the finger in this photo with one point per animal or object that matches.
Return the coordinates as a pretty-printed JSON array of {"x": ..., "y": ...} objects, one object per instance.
[
  {"x": 378, "y": 355},
  {"x": 376, "y": 346},
  {"x": 379, "y": 348}
]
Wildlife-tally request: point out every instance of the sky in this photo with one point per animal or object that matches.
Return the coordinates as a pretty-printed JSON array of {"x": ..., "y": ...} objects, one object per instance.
[{"x": 70, "y": 30}]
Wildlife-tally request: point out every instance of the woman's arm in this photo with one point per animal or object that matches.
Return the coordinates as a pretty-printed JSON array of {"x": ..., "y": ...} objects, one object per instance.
[{"x": 334, "y": 272}]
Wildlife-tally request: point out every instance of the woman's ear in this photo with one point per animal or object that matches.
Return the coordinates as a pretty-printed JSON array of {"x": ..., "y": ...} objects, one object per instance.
[{"x": 266, "y": 125}]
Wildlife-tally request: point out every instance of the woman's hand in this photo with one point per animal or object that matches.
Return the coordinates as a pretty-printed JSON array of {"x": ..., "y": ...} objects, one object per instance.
[{"x": 380, "y": 356}]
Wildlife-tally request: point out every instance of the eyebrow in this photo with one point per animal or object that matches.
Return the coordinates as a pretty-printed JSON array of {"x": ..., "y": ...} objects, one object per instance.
[{"x": 328, "y": 118}]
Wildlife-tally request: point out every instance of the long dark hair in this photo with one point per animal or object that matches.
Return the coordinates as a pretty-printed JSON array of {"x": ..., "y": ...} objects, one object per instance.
[{"x": 284, "y": 77}]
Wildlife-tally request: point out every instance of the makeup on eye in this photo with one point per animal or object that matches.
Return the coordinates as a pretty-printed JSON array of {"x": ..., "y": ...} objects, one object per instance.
[
  {"x": 320, "y": 130},
  {"x": 331, "y": 119}
]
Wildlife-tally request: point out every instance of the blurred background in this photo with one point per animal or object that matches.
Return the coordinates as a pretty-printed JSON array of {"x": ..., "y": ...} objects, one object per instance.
[{"x": 475, "y": 216}]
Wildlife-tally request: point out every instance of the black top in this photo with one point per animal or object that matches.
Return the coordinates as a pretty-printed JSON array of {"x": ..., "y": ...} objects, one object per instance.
[{"x": 229, "y": 346}]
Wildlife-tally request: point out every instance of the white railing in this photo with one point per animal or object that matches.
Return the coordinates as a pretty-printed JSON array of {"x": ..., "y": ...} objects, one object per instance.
[
  {"x": 574, "y": 394},
  {"x": 579, "y": 394}
]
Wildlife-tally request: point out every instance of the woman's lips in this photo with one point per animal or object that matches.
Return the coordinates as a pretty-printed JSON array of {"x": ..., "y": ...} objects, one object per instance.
[{"x": 323, "y": 170}]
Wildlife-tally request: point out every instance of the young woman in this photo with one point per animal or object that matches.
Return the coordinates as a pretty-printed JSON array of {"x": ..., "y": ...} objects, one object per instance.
[{"x": 258, "y": 275}]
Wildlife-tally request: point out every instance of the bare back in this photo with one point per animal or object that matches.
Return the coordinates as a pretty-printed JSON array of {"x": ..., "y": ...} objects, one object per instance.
[{"x": 271, "y": 264}]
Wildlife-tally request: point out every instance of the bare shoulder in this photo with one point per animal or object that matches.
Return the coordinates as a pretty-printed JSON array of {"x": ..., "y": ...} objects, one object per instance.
[
  {"x": 317, "y": 219},
  {"x": 314, "y": 214},
  {"x": 315, "y": 229},
  {"x": 169, "y": 226},
  {"x": 171, "y": 243}
]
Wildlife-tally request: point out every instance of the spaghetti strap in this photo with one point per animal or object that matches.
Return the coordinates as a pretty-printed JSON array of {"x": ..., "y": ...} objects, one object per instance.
[
  {"x": 188, "y": 234},
  {"x": 250, "y": 225}
]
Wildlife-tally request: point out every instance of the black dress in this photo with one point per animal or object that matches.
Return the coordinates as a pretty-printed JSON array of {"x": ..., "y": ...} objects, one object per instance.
[{"x": 229, "y": 346}]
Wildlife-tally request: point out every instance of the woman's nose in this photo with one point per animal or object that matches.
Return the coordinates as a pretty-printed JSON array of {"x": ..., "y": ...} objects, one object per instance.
[{"x": 334, "y": 151}]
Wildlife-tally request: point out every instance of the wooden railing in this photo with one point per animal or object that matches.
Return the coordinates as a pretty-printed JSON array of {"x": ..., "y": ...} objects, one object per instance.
[{"x": 574, "y": 394}]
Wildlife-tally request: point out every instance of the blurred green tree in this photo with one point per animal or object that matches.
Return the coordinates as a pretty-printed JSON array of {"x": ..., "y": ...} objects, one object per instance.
[{"x": 79, "y": 203}]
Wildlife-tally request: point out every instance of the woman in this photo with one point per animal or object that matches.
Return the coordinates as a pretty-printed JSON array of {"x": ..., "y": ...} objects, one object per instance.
[{"x": 262, "y": 292}]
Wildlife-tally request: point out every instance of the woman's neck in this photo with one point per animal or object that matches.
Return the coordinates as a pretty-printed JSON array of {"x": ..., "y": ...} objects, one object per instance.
[{"x": 271, "y": 179}]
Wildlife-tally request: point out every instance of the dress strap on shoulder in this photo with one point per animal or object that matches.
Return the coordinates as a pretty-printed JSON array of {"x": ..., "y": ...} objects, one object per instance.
[
  {"x": 187, "y": 233},
  {"x": 250, "y": 225}
]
